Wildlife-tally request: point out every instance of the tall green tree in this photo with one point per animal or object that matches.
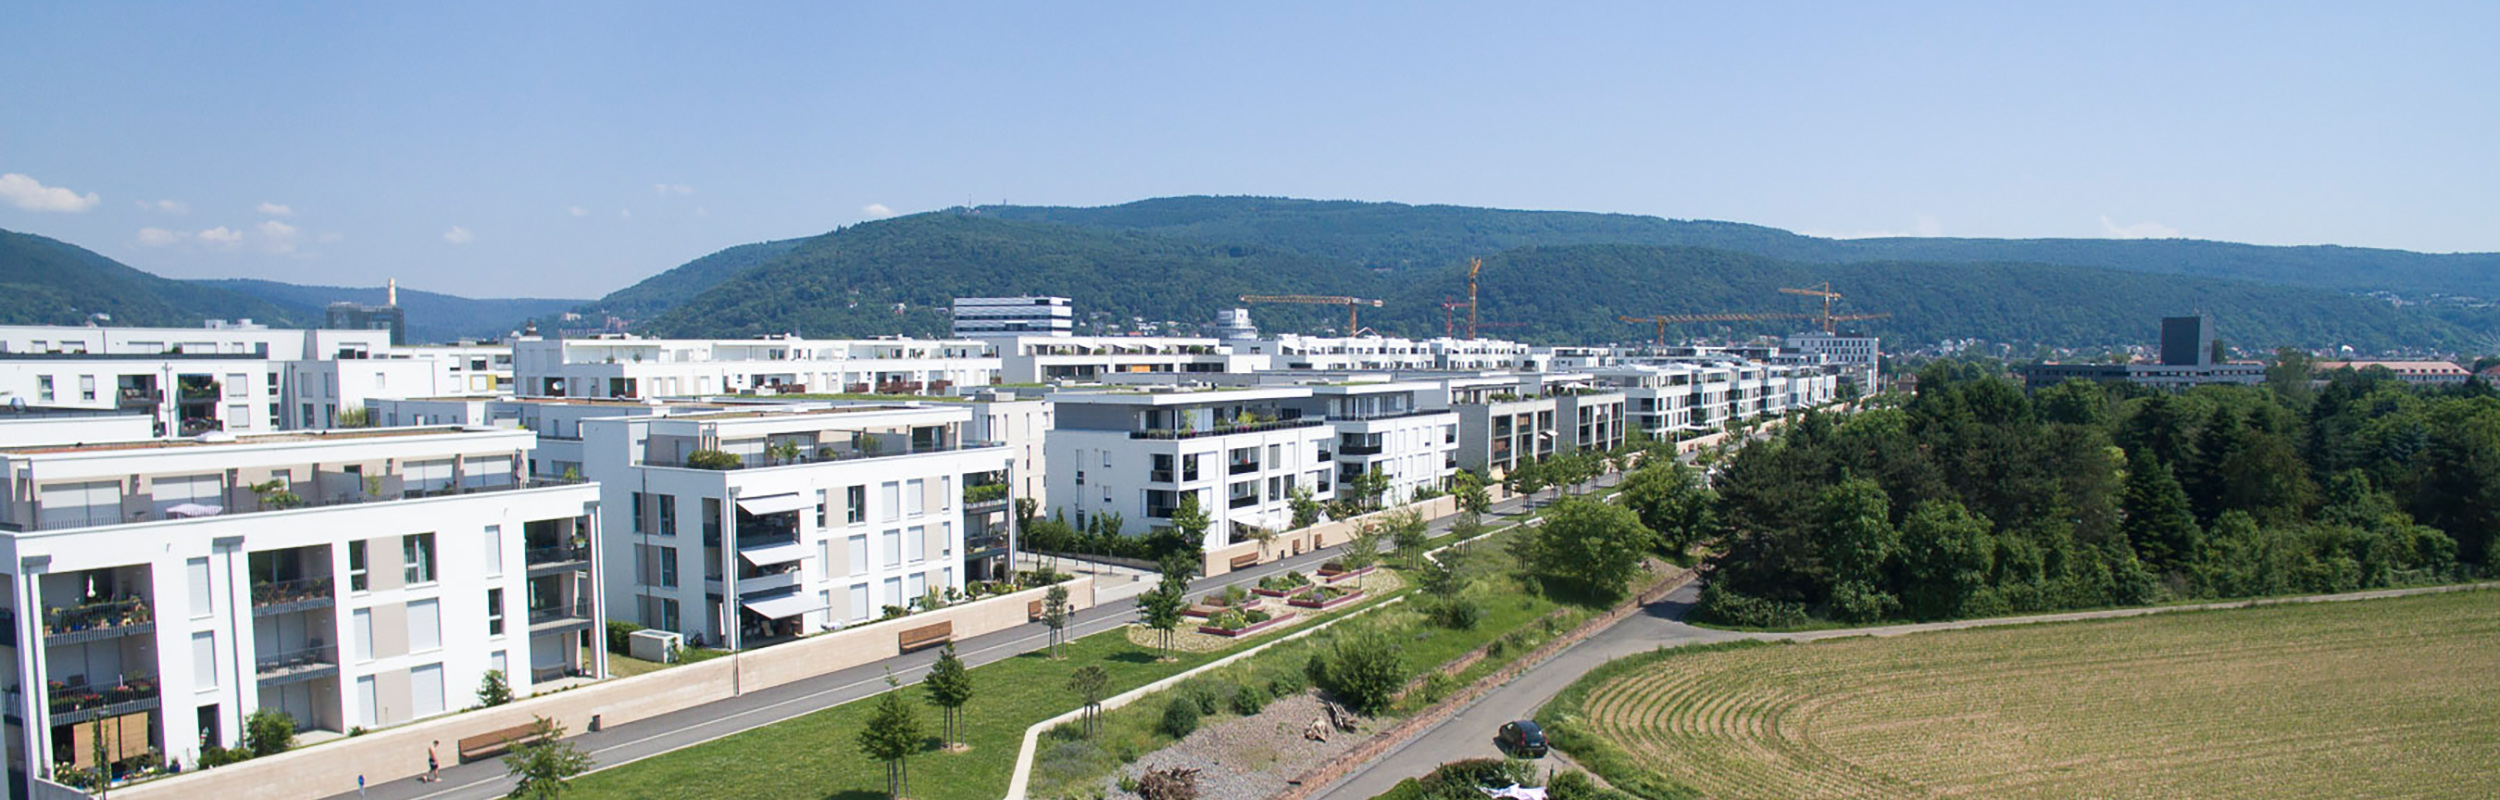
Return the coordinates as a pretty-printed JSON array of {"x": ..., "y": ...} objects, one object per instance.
[
  {"x": 1859, "y": 540},
  {"x": 1586, "y": 546},
  {"x": 949, "y": 686},
  {"x": 1670, "y": 500},
  {"x": 1945, "y": 554},
  {"x": 2159, "y": 523}
]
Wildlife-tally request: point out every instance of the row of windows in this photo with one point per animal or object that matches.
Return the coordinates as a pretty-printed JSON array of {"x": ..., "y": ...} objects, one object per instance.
[{"x": 897, "y": 499}]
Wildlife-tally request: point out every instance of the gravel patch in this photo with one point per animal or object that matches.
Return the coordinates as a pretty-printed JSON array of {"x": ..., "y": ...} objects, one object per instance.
[{"x": 1249, "y": 758}]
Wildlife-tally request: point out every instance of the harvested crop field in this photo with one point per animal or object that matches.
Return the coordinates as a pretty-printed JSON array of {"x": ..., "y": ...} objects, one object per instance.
[{"x": 2379, "y": 698}]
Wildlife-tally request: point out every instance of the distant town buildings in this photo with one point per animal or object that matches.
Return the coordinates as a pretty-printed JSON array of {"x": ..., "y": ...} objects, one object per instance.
[{"x": 2187, "y": 359}]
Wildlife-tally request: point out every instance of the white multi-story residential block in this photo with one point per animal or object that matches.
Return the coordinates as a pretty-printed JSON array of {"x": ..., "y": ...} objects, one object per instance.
[
  {"x": 1384, "y": 426},
  {"x": 349, "y": 579},
  {"x": 1014, "y": 316},
  {"x": 827, "y": 516},
  {"x": 1135, "y": 453},
  {"x": 469, "y": 368},
  {"x": 24, "y": 426},
  {"x": 1037, "y": 359},
  {"x": 1295, "y": 352},
  {"x": 181, "y": 393},
  {"x": 619, "y": 366},
  {"x": 243, "y": 338},
  {"x": 1860, "y": 356}
]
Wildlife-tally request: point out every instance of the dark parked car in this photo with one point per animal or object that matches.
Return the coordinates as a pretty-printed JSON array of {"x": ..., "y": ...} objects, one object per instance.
[{"x": 1523, "y": 739}]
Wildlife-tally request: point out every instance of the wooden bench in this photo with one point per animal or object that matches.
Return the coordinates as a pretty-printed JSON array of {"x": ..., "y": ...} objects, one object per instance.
[
  {"x": 926, "y": 635},
  {"x": 1245, "y": 560},
  {"x": 1033, "y": 611},
  {"x": 488, "y": 744}
]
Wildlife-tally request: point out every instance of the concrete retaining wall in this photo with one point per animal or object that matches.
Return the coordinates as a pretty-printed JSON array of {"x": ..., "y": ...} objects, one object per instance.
[{"x": 394, "y": 753}]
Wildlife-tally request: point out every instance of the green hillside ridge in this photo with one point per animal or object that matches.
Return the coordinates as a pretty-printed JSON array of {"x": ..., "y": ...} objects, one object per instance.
[
  {"x": 897, "y": 276},
  {"x": 45, "y": 281},
  {"x": 1395, "y": 235},
  {"x": 659, "y": 293},
  {"x": 432, "y": 316}
]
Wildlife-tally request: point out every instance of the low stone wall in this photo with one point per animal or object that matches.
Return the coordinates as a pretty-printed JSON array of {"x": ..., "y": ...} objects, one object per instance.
[
  {"x": 1320, "y": 777},
  {"x": 393, "y": 753}
]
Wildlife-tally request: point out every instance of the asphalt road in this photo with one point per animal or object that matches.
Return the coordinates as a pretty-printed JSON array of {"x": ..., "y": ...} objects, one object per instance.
[{"x": 626, "y": 743}]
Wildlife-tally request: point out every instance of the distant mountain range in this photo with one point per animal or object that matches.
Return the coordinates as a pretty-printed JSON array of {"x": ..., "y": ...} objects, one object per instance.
[
  {"x": 1551, "y": 277},
  {"x": 45, "y": 281}
]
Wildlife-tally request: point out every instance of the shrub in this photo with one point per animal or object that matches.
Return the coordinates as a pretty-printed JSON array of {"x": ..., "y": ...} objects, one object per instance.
[
  {"x": 1228, "y": 620},
  {"x": 1287, "y": 684},
  {"x": 1455, "y": 613},
  {"x": 620, "y": 636},
  {"x": 1248, "y": 701},
  {"x": 1180, "y": 717},
  {"x": 268, "y": 732},
  {"x": 1728, "y": 607},
  {"x": 492, "y": 690},
  {"x": 1363, "y": 671},
  {"x": 712, "y": 459},
  {"x": 1576, "y": 785}
]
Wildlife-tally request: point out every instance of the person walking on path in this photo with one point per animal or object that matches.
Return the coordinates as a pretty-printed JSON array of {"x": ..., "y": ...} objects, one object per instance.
[{"x": 433, "y": 766}]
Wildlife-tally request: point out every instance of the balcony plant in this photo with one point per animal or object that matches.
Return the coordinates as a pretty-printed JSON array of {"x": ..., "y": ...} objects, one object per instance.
[{"x": 712, "y": 459}]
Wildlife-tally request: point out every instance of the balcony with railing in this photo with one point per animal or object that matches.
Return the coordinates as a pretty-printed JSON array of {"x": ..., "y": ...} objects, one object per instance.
[
  {"x": 139, "y": 398},
  {"x": 75, "y": 702},
  {"x": 556, "y": 557},
  {"x": 560, "y": 616},
  {"x": 98, "y": 620},
  {"x": 294, "y": 666},
  {"x": 1228, "y": 429},
  {"x": 300, "y": 594}
]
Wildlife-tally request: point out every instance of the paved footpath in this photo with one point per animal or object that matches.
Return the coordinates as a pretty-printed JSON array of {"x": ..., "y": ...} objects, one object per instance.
[
  {"x": 1469, "y": 733},
  {"x": 626, "y": 743}
]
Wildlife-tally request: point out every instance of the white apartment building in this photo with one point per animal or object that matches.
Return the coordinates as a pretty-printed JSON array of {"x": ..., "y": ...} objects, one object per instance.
[
  {"x": 557, "y": 421},
  {"x": 831, "y": 515},
  {"x": 349, "y": 579},
  {"x": 1330, "y": 353},
  {"x": 181, "y": 393},
  {"x": 630, "y": 367},
  {"x": 1860, "y": 356},
  {"x": 1014, "y": 316},
  {"x": 23, "y": 426},
  {"x": 234, "y": 339},
  {"x": 1384, "y": 426},
  {"x": 1039, "y": 359},
  {"x": 472, "y": 368},
  {"x": 1241, "y": 451}
]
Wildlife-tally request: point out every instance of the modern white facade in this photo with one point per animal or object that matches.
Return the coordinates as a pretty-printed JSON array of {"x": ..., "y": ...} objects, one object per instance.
[
  {"x": 1039, "y": 359},
  {"x": 1014, "y": 316},
  {"x": 832, "y": 515},
  {"x": 182, "y": 394},
  {"x": 1861, "y": 357},
  {"x": 243, "y": 338},
  {"x": 620, "y": 366},
  {"x": 1135, "y": 454},
  {"x": 1385, "y": 426},
  {"x": 349, "y": 579}
]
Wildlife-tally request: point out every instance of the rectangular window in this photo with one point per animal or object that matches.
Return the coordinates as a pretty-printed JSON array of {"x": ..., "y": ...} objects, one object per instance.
[
  {"x": 668, "y": 515},
  {"x": 204, "y": 660},
  {"x": 855, "y": 504},
  {"x": 711, "y": 520},
  {"x": 425, "y": 690},
  {"x": 640, "y": 524},
  {"x": 893, "y": 541},
  {"x": 494, "y": 612},
  {"x": 822, "y": 512},
  {"x": 417, "y": 552},
  {"x": 238, "y": 385},
  {"x": 496, "y": 661},
  {"x": 364, "y": 634},
  {"x": 1189, "y": 467},
  {"x": 43, "y": 386},
  {"x": 1160, "y": 468},
  {"x": 859, "y": 554},
  {"x": 915, "y": 497},
  {"x": 916, "y": 544},
  {"x": 668, "y": 614},
  {"x": 203, "y": 601},
  {"x": 368, "y": 701},
  {"x": 916, "y": 585},
  {"x": 494, "y": 550},
  {"x": 894, "y": 592},
  {"x": 668, "y": 567},
  {"x": 425, "y": 625},
  {"x": 86, "y": 387},
  {"x": 356, "y": 565},
  {"x": 891, "y": 496},
  {"x": 239, "y": 415},
  {"x": 859, "y": 602}
]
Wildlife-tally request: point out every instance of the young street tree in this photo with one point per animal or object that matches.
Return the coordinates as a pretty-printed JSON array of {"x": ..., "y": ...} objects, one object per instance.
[
  {"x": 1089, "y": 682},
  {"x": 950, "y": 686},
  {"x": 545, "y": 767},
  {"x": 1407, "y": 533},
  {"x": 892, "y": 735},
  {"x": 1055, "y": 615},
  {"x": 1363, "y": 550},
  {"x": 1161, "y": 607}
]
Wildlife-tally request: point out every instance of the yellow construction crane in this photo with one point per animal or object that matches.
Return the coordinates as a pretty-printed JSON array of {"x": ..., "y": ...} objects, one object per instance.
[
  {"x": 1662, "y": 321},
  {"x": 1353, "y": 305},
  {"x": 1831, "y": 322},
  {"x": 1474, "y": 265}
]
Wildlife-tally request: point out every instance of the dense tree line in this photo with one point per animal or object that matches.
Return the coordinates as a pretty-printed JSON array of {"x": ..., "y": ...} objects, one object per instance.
[{"x": 1974, "y": 498}]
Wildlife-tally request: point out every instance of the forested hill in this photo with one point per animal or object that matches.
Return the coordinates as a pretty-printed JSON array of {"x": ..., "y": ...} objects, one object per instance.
[
  {"x": 897, "y": 276},
  {"x": 432, "y": 317},
  {"x": 1394, "y": 235},
  {"x": 659, "y": 293},
  {"x": 46, "y": 281}
]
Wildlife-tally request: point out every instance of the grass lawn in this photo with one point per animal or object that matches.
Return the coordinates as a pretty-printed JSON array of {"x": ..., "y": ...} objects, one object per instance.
[
  {"x": 625, "y": 666},
  {"x": 2377, "y": 698},
  {"x": 817, "y": 756}
]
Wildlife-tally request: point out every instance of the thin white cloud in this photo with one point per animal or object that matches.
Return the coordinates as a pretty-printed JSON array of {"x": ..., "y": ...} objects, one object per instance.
[
  {"x": 276, "y": 209},
  {"x": 31, "y": 195},
  {"x": 221, "y": 236},
  {"x": 278, "y": 237},
  {"x": 174, "y": 207},
  {"x": 2141, "y": 230},
  {"x": 458, "y": 235},
  {"x": 672, "y": 188},
  {"x": 578, "y": 211},
  {"x": 160, "y": 237},
  {"x": 876, "y": 211},
  {"x": 625, "y": 213}
]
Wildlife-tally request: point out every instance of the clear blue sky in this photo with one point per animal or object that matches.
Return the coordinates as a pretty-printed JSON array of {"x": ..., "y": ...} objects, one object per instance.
[{"x": 567, "y": 150}]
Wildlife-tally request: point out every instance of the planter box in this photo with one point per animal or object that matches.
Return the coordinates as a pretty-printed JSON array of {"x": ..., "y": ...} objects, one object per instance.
[
  {"x": 1313, "y": 600},
  {"x": 1333, "y": 575},
  {"x": 1211, "y": 609},
  {"x": 1270, "y": 622}
]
